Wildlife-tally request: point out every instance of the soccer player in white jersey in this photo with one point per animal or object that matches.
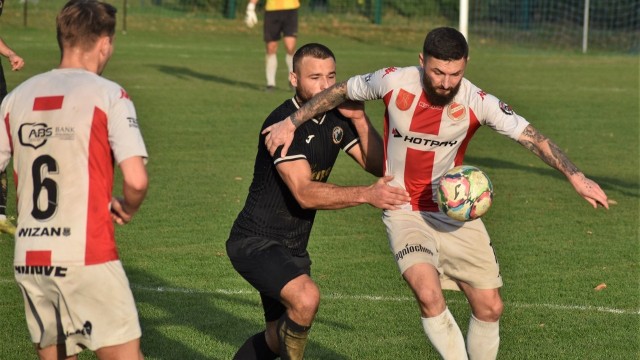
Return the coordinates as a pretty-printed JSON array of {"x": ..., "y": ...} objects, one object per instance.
[
  {"x": 432, "y": 112},
  {"x": 66, "y": 128}
]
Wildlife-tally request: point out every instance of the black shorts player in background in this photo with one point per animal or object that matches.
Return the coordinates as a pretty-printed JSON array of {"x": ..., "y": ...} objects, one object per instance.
[
  {"x": 6, "y": 226},
  {"x": 268, "y": 241}
]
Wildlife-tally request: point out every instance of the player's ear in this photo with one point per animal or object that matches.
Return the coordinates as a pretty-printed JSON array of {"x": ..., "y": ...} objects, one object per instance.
[
  {"x": 421, "y": 58},
  {"x": 105, "y": 44},
  {"x": 293, "y": 79}
]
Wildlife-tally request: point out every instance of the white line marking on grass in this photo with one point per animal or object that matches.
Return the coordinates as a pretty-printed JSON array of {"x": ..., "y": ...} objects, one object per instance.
[{"x": 374, "y": 298}]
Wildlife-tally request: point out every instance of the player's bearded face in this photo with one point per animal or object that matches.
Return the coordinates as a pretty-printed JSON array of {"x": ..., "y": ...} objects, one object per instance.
[
  {"x": 442, "y": 79},
  {"x": 312, "y": 76}
]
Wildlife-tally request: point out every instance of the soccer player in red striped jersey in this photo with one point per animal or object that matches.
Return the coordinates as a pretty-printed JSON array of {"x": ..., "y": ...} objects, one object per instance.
[
  {"x": 432, "y": 112},
  {"x": 66, "y": 128}
]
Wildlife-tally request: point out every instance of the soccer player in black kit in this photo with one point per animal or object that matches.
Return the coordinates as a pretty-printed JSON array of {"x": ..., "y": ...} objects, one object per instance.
[{"x": 268, "y": 241}]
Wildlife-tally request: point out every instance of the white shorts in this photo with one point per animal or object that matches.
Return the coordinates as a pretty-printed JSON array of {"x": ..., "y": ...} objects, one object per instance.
[
  {"x": 460, "y": 251},
  {"x": 79, "y": 306}
]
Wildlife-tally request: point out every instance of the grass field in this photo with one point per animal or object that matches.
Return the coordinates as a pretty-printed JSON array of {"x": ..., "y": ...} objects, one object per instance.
[{"x": 197, "y": 86}]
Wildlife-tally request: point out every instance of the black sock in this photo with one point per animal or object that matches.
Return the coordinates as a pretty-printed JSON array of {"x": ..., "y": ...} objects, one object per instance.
[{"x": 255, "y": 348}]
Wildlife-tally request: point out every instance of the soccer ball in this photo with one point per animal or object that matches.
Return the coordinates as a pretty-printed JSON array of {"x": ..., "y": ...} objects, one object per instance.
[{"x": 465, "y": 193}]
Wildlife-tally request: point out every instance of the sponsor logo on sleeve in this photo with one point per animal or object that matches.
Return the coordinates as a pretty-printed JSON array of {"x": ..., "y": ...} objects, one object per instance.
[
  {"x": 133, "y": 122},
  {"x": 506, "y": 108},
  {"x": 389, "y": 70}
]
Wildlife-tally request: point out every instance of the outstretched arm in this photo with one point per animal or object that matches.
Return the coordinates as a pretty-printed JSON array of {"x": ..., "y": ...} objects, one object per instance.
[
  {"x": 281, "y": 133},
  {"x": 325, "y": 196},
  {"x": 551, "y": 154}
]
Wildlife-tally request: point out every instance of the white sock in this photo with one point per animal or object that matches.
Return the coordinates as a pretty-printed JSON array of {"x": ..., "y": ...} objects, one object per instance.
[
  {"x": 289, "y": 60},
  {"x": 271, "y": 68},
  {"x": 483, "y": 339},
  {"x": 445, "y": 336}
]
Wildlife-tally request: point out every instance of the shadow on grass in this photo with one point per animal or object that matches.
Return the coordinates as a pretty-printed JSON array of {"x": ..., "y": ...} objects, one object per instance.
[
  {"x": 167, "y": 312},
  {"x": 184, "y": 73},
  {"x": 606, "y": 183}
]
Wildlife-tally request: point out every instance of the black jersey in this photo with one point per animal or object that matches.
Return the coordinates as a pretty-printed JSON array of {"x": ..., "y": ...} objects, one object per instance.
[{"x": 271, "y": 210}]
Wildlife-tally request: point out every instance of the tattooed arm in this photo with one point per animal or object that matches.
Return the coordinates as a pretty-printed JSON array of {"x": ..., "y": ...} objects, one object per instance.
[
  {"x": 281, "y": 133},
  {"x": 551, "y": 154}
]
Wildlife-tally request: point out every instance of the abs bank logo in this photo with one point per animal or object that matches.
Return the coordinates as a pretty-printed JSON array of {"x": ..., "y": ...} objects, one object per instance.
[{"x": 34, "y": 134}]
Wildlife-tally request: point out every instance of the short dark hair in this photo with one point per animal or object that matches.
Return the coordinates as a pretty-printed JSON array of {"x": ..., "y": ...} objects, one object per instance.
[
  {"x": 445, "y": 43},
  {"x": 81, "y": 22},
  {"x": 314, "y": 50}
]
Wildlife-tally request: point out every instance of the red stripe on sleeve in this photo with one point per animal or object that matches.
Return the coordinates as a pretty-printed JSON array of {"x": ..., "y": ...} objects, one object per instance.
[
  {"x": 45, "y": 103},
  {"x": 39, "y": 258}
]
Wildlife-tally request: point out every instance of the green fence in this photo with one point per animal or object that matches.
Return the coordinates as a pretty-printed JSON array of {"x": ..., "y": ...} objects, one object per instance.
[{"x": 613, "y": 25}]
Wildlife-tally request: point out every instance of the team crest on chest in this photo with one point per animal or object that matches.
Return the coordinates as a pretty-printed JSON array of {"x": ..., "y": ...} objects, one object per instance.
[
  {"x": 337, "y": 134},
  {"x": 404, "y": 100},
  {"x": 456, "y": 112}
]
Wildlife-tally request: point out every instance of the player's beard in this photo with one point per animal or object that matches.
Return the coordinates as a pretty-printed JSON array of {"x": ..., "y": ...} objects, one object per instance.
[
  {"x": 438, "y": 99},
  {"x": 302, "y": 96}
]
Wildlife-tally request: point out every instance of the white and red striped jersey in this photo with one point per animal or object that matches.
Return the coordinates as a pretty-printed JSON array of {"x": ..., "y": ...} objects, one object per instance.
[
  {"x": 65, "y": 129},
  {"x": 423, "y": 141}
]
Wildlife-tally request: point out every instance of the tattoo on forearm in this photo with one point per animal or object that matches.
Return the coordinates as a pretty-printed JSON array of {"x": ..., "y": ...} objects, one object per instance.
[
  {"x": 324, "y": 101},
  {"x": 561, "y": 158},
  {"x": 555, "y": 157}
]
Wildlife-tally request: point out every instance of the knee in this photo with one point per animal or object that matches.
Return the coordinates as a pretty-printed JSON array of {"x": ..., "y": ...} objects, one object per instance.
[
  {"x": 307, "y": 302},
  {"x": 431, "y": 302},
  {"x": 310, "y": 300},
  {"x": 491, "y": 312}
]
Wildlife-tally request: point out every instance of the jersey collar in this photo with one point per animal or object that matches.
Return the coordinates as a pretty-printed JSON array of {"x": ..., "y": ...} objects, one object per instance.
[{"x": 317, "y": 120}]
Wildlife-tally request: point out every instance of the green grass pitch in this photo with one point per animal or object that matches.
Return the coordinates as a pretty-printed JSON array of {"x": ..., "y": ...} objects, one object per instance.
[{"x": 197, "y": 85}]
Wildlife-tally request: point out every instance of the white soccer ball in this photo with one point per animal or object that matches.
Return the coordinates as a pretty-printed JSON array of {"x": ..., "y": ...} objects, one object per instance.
[{"x": 465, "y": 193}]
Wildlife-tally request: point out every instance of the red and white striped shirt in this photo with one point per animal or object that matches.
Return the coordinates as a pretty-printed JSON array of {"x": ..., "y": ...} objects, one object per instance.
[
  {"x": 65, "y": 129},
  {"x": 423, "y": 141}
]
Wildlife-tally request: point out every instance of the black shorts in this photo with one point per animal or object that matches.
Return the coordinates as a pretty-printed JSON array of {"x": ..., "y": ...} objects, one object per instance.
[
  {"x": 280, "y": 23},
  {"x": 268, "y": 266}
]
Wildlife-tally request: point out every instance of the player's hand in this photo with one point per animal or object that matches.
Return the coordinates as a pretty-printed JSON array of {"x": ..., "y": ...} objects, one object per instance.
[
  {"x": 250, "y": 18},
  {"x": 280, "y": 133},
  {"x": 16, "y": 62},
  {"x": 589, "y": 190},
  {"x": 353, "y": 110},
  {"x": 387, "y": 197},
  {"x": 118, "y": 213}
]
